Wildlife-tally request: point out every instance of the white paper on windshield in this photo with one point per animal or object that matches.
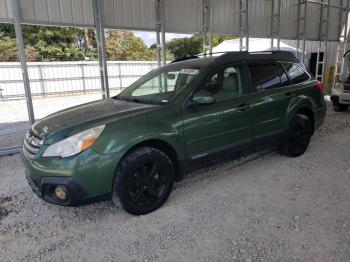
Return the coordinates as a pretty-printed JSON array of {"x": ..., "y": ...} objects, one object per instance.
[{"x": 189, "y": 71}]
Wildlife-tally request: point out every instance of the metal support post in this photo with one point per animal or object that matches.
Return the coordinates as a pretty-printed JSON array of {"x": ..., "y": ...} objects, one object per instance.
[
  {"x": 83, "y": 77},
  {"x": 275, "y": 23},
  {"x": 210, "y": 44},
  {"x": 302, "y": 27},
  {"x": 343, "y": 36},
  {"x": 100, "y": 39},
  {"x": 42, "y": 81},
  {"x": 158, "y": 29},
  {"x": 243, "y": 25},
  {"x": 206, "y": 26},
  {"x": 163, "y": 32},
  {"x": 22, "y": 57},
  {"x": 323, "y": 42}
]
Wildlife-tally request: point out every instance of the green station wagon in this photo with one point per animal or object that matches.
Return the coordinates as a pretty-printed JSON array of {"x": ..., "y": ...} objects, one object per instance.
[{"x": 132, "y": 147}]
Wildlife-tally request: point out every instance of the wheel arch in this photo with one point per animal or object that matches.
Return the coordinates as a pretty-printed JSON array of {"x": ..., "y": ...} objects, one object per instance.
[
  {"x": 309, "y": 113},
  {"x": 301, "y": 105},
  {"x": 166, "y": 148}
]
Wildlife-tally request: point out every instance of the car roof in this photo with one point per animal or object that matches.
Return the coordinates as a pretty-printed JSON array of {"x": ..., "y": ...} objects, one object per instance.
[{"x": 231, "y": 57}]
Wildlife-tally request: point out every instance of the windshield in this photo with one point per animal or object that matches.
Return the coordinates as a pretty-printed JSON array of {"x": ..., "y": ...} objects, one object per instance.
[{"x": 160, "y": 86}]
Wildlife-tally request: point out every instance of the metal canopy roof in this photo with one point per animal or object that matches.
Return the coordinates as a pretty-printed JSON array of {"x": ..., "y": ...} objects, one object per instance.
[{"x": 181, "y": 16}]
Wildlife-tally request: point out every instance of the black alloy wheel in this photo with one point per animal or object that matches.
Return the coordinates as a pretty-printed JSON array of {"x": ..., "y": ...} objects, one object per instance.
[
  {"x": 144, "y": 180},
  {"x": 147, "y": 184},
  {"x": 299, "y": 136}
]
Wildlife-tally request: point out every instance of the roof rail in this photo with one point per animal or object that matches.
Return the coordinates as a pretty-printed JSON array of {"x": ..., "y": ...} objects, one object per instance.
[
  {"x": 274, "y": 52},
  {"x": 184, "y": 58}
]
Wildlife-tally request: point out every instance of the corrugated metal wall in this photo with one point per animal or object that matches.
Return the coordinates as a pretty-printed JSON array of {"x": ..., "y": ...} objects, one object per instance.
[
  {"x": 130, "y": 14},
  {"x": 57, "y": 12},
  {"x": 181, "y": 16},
  {"x": 312, "y": 47},
  {"x": 5, "y": 11}
]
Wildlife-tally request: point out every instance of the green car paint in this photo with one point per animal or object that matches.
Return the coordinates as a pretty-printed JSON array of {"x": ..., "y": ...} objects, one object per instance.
[{"x": 185, "y": 130}]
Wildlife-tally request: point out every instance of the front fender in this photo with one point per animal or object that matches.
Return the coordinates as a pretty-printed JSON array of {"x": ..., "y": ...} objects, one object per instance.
[{"x": 120, "y": 137}]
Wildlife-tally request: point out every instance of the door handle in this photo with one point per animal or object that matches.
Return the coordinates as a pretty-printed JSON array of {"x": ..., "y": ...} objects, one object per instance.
[{"x": 243, "y": 107}]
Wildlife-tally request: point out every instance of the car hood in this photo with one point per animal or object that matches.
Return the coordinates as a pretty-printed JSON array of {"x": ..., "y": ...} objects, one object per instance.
[{"x": 88, "y": 115}]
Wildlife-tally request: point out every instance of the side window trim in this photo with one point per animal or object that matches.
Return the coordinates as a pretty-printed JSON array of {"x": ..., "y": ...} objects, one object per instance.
[{"x": 283, "y": 68}]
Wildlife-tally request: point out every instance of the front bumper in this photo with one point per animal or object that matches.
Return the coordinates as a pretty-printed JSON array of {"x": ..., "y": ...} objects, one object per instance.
[
  {"x": 342, "y": 98},
  {"x": 87, "y": 177},
  {"x": 76, "y": 195}
]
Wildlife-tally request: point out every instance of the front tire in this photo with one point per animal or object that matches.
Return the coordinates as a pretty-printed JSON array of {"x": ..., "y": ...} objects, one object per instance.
[
  {"x": 144, "y": 180},
  {"x": 298, "y": 137}
]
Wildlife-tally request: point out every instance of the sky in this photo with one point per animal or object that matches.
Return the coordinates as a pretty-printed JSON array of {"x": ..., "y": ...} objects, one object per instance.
[{"x": 150, "y": 37}]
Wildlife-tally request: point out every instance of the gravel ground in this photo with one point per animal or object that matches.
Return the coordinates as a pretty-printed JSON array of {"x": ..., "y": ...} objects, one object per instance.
[{"x": 262, "y": 207}]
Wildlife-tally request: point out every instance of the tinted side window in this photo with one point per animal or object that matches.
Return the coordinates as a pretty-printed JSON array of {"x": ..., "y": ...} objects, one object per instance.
[
  {"x": 225, "y": 84},
  {"x": 265, "y": 76},
  {"x": 296, "y": 73}
]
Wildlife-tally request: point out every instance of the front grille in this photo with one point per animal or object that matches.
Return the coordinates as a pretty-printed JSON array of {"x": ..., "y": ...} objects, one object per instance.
[{"x": 32, "y": 143}]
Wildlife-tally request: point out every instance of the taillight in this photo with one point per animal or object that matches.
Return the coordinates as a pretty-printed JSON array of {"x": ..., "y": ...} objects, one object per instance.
[{"x": 319, "y": 86}]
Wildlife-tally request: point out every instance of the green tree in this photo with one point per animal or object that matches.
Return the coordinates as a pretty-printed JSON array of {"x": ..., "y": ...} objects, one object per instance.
[
  {"x": 8, "y": 46},
  {"x": 124, "y": 45},
  {"x": 55, "y": 43},
  {"x": 48, "y": 43},
  {"x": 181, "y": 47}
]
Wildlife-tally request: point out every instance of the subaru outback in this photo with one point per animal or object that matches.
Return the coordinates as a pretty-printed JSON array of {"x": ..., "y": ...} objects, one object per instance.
[{"x": 134, "y": 146}]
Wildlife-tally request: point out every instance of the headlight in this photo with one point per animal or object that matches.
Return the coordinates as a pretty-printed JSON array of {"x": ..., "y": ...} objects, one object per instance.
[{"x": 74, "y": 144}]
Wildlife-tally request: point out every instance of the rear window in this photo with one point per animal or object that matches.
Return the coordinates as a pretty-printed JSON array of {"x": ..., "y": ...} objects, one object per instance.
[
  {"x": 295, "y": 72},
  {"x": 265, "y": 76}
]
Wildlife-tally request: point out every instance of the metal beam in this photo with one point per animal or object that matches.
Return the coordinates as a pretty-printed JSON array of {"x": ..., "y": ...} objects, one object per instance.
[
  {"x": 100, "y": 39},
  {"x": 243, "y": 25},
  {"x": 304, "y": 30},
  {"x": 275, "y": 23},
  {"x": 163, "y": 32},
  {"x": 343, "y": 30},
  {"x": 323, "y": 43},
  {"x": 327, "y": 4},
  {"x": 206, "y": 25},
  {"x": 22, "y": 57},
  {"x": 157, "y": 8}
]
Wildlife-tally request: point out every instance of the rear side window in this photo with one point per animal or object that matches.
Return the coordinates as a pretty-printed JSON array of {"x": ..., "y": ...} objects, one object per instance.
[
  {"x": 295, "y": 72},
  {"x": 267, "y": 76}
]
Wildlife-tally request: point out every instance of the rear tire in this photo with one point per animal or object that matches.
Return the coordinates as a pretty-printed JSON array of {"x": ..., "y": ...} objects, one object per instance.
[
  {"x": 144, "y": 180},
  {"x": 298, "y": 138}
]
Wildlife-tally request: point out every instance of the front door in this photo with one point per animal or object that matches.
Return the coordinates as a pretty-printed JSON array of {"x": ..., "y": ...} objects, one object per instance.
[{"x": 223, "y": 122}]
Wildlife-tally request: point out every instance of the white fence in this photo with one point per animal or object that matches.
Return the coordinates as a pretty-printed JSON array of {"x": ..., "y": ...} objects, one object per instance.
[{"x": 55, "y": 78}]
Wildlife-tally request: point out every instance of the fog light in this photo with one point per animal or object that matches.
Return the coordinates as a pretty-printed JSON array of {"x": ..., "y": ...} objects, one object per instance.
[{"x": 60, "y": 193}]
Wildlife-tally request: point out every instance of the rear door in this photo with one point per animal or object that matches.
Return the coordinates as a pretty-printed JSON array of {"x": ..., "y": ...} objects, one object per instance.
[
  {"x": 224, "y": 124},
  {"x": 271, "y": 94}
]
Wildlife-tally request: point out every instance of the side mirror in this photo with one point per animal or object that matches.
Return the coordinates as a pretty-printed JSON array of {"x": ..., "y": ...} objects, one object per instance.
[{"x": 204, "y": 99}]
